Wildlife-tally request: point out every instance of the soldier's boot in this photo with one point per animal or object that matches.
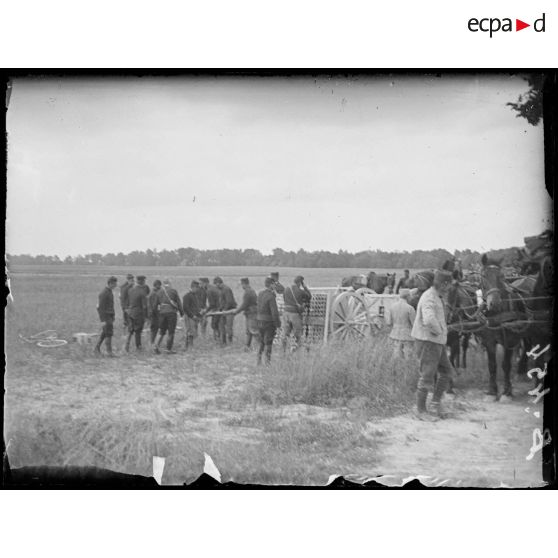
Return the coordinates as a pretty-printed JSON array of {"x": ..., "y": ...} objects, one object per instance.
[
  {"x": 156, "y": 343},
  {"x": 229, "y": 338},
  {"x": 128, "y": 341},
  {"x": 99, "y": 343},
  {"x": 170, "y": 342},
  {"x": 108, "y": 344},
  {"x": 422, "y": 414},
  {"x": 268, "y": 349},
  {"x": 153, "y": 337},
  {"x": 260, "y": 353},
  {"x": 436, "y": 408},
  {"x": 138, "y": 340}
]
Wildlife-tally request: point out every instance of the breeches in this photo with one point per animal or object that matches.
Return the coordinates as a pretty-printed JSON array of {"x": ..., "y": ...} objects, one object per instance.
[
  {"x": 108, "y": 328},
  {"x": 292, "y": 322},
  {"x": 135, "y": 323},
  {"x": 191, "y": 326},
  {"x": 267, "y": 332},
  {"x": 433, "y": 359},
  {"x": 167, "y": 322},
  {"x": 226, "y": 324}
]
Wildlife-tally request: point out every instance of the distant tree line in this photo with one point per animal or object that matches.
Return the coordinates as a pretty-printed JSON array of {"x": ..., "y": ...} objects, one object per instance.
[{"x": 250, "y": 257}]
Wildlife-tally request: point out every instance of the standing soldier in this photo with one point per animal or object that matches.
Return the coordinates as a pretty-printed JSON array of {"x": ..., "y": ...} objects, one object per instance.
[
  {"x": 202, "y": 299},
  {"x": 192, "y": 313},
  {"x": 277, "y": 287},
  {"x": 124, "y": 297},
  {"x": 250, "y": 308},
  {"x": 105, "y": 308},
  {"x": 213, "y": 305},
  {"x": 153, "y": 304},
  {"x": 403, "y": 282},
  {"x": 268, "y": 320},
  {"x": 169, "y": 305},
  {"x": 402, "y": 317},
  {"x": 431, "y": 332},
  {"x": 297, "y": 299},
  {"x": 137, "y": 311},
  {"x": 226, "y": 304}
]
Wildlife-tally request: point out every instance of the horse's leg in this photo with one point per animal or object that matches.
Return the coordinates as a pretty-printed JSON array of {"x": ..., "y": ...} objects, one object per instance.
[
  {"x": 506, "y": 366},
  {"x": 491, "y": 352},
  {"x": 465, "y": 346}
]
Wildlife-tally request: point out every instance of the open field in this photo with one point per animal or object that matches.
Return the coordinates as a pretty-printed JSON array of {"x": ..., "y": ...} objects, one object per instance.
[{"x": 334, "y": 410}]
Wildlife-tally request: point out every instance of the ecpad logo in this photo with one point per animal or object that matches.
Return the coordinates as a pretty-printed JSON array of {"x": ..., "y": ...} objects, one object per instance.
[{"x": 492, "y": 25}]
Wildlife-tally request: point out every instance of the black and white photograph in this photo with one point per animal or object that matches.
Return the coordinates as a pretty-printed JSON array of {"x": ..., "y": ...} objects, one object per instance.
[{"x": 278, "y": 280}]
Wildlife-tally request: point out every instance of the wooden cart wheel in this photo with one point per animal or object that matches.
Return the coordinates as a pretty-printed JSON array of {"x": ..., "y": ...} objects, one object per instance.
[{"x": 349, "y": 317}]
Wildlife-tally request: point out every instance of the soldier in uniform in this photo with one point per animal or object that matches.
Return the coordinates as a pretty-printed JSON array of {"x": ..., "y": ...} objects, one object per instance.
[
  {"x": 430, "y": 331},
  {"x": 192, "y": 313},
  {"x": 268, "y": 320},
  {"x": 297, "y": 299},
  {"x": 153, "y": 303},
  {"x": 403, "y": 282},
  {"x": 214, "y": 305},
  {"x": 402, "y": 317},
  {"x": 250, "y": 308},
  {"x": 169, "y": 305},
  {"x": 137, "y": 311},
  {"x": 227, "y": 303},
  {"x": 124, "y": 297},
  {"x": 105, "y": 308},
  {"x": 202, "y": 299}
]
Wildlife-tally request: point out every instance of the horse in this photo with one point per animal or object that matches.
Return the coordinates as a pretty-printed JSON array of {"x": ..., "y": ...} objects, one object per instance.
[
  {"x": 502, "y": 303},
  {"x": 461, "y": 306},
  {"x": 536, "y": 293},
  {"x": 373, "y": 281}
]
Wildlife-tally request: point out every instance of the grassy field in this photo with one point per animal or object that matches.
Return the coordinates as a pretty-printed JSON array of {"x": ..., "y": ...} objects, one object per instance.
[{"x": 305, "y": 417}]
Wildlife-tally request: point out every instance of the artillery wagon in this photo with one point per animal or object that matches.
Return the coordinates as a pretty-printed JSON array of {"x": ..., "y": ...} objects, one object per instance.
[{"x": 345, "y": 314}]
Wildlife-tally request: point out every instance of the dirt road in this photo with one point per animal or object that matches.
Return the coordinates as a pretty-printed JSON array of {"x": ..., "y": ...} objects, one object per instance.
[{"x": 485, "y": 444}]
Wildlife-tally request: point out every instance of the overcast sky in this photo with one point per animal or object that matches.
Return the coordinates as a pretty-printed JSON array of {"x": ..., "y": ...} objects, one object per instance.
[{"x": 110, "y": 165}]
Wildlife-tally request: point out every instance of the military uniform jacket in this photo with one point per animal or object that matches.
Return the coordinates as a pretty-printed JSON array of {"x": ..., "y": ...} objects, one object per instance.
[
  {"x": 295, "y": 298},
  {"x": 191, "y": 305},
  {"x": 249, "y": 302},
  {"x": 430, "y": 322},
  {"x": 227, "y": 301},
  {"x": 169, "y": 301},
  {"x": 402, "y": 316},
  {"x": 137, "y": 302},
  {"x": 124, "y": 294},
  {"x": 267, "y": 308},
  {"x": 105, "y": 308},
  {"x": 213, "y": 297},
  {"x": 153, "y": 304}
]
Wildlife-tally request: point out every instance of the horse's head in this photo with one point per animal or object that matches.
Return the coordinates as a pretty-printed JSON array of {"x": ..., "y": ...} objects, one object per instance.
[{"x": 492, "y": 283}]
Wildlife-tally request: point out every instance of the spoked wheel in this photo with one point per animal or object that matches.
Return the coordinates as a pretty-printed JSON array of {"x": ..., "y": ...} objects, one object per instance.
[
  {"x": 349, "y": 318},
  {"x": 372, "y": 302}
]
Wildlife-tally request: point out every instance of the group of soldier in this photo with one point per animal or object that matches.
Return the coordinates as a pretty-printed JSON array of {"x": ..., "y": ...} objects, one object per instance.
[{"x": 204, "y": 303}]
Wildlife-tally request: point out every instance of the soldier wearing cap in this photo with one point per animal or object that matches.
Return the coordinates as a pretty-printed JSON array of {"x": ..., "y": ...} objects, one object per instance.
[
  {"x": 214, "y": 305},
  {"x": 192, "y": 313},
  {"x": 169, "y": 305},
  {"x": 153, "y": 303},
  {"x": 202, "y": 303},
  {"x": 404, "y": 281},
  {"x": 137, "y": 310},
  {"x": 250, "y": 308},
  {"x": 297, "y": 299},
  {"x": 124, "y": 297},
  {"x": 430, "y": 331},
  {"x": 268, "y": 320},
  {"x": 277, "y": 287},
  {"x": 105, "y": 308},
  {"x": 227, "y": 305},
  {"x": 401, "y": 316}
]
